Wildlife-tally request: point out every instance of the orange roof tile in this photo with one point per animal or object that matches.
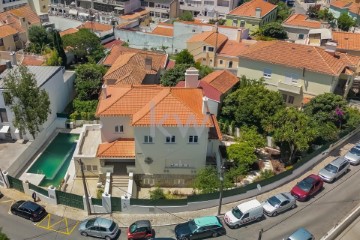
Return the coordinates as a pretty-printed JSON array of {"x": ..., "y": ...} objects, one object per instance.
[
  {"x": 155, "y": 105},
  {"x": 206, "y": 24},
  {"x": 221, "y": 80},
  {"x": 233, "y": 48},
  {"x": 347, "y": 4},
  {"x": 7, "y": 30},
  {"x": 215, "y": 132},
  {"x": 347, "y": 40},
  {"x": 310, "y": 58},
  {"x": 95, "y": 26},
  {"x": 68, "y": 31},
  {"x": 301, "y": 20},
  {"x": 134, "y": 15},
  {"x": 25, "y": 12},
  {"x": 121, "y": 148},
  {"x": 340, "y": 4},
  {"x": 163, "y": 31},
  {"x": 33, "y": 61},
  {"x": 248, "y": 9},
  {"x": 209, "y": 37}
]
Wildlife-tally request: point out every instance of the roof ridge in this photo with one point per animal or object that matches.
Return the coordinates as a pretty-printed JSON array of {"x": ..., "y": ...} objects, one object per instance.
[
  {"x": 115, "y": 68},
  {"x": 107, "y": 148},
  {"x": 322, "y": 57},
  {"x": 129, "y": 89},
  {"x": 186, "y": 89}
]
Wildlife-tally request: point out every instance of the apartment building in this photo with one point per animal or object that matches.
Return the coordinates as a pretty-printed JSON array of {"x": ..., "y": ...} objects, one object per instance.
[
  {"x": 208, "y": 8},
  {"x": 162, "y": 9}
]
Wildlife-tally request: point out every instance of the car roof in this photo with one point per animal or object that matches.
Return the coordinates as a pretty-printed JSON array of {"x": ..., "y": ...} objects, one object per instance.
[
  {"x": 300, "y": 234},
  {"x": 143, "y": 223},
  {"x": 103, "y": 222},
  {"x": 338, "y": 161},
  {"x": 282, "y": 196},
  {"x": 30, "y": 205},
  {"x": 246, "y": 206},
  {"x": 207, "y": 221},
  {"x": 312, "y": 178}
]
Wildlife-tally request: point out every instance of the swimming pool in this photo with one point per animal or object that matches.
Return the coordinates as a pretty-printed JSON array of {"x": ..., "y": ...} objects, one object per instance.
[{"x": 55, "y": 159}]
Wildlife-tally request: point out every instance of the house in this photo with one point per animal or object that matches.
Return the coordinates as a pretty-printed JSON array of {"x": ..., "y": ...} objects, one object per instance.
[
  {"x": 347, "y": 42},
  {"x": 57, "y": 82},
  {"x": 298, "y": 26},
  {"x": 101, "y": 30},
  {"x": 133, "y": 67},
  {"x": 345, "y": 6},
  {"x": 215, "y": 86},
  {"x": 299, "y": 71},
  {"x": 8, "y": 4},
  {"x": 41, "y": 7},
  {"x": 20, "y": 59},
  {"x": 209, "y": 9},
  {"x": 216, "y": 50},
  {"x": 118, "y": 7},
  {"x": 68, "y": 31},
  {"x": 14, "y": 26},
  {"x": 252, "y": 15},
  {"x": 160, "y": 135},
  {"x": 162, "y": 9}
]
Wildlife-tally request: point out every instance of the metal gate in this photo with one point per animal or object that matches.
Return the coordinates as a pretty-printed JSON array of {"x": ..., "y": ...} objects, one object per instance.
[
  {"x": 69, "y": 199},
  {"x": 115, "y": 204},
  {"x": 16, "y": 183}
]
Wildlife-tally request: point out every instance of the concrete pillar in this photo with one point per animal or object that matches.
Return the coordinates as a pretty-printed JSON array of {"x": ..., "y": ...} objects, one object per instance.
[
  {"x": 5, "y": 179},
  {"x": 52, "y": 194},
  {"x": 125, "y": 203},
  {"x": 27, "y": 190},
  {"x": 85, "y": 205},
  {"x": 106, "y": 202}
]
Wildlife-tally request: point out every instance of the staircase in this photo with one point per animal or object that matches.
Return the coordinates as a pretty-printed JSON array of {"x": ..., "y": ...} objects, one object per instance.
[{"x": 119, "y": 183}]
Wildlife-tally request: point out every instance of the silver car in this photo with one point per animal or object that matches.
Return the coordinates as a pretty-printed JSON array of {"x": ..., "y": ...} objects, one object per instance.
[
  {"x": 353, "y": 155},
  {"x": 301, "y": 234},
  {"x": 334, "y": 169},
  {"x": 99, "y": 227},
  {"x": 279, "y": 203}
]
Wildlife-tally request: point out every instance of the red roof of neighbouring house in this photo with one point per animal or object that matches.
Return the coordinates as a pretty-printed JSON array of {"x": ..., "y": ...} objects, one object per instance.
[
  {"x": 208, "y": 90},
  {"x": 112, "y": 43}
]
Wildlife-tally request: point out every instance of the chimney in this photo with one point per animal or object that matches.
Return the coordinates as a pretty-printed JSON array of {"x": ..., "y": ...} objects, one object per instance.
[
  {"x": 239, "y": 35},
  {"x": 205, "y": 109},
  {"x": 258, "y": 12},
  {"x": 13, "y": 58},
  {"x": 104, "y": 91},
  {"x": 191, "y": 78},
  {"x": 8, "y": 65},
  {"x": 330, "y": 47},
  {"x": 148, "y": 63}
]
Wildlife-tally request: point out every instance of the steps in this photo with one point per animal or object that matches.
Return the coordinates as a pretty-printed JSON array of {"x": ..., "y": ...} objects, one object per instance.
[{"x": 119, "y": 182}]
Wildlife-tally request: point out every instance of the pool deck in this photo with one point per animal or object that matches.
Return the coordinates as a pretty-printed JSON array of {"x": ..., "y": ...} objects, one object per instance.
[
  {"x": 32, "y": 178},
  {"x": 92, "y": 139}
]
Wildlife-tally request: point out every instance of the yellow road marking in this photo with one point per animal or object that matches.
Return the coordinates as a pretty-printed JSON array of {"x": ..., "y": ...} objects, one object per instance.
[
  {"x": 6, "y": 201},
  {"x": 51, "y": 226}
]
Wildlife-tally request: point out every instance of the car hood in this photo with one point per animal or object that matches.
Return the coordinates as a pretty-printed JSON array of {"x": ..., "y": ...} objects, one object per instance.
[
  {"x": 82, "y": 226},
  {"x": 326, "y": 173},
  {"x": 351, "y": 156},
  {"x": 230, "y": 217},
  {"x": 268, "y": 207},
  {"x": 182, "y": 229},
  {"x": 298, "y": 191}
]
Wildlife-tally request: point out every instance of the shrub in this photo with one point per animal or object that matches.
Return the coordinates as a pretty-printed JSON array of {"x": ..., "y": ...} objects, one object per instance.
[
  {"x": 99, "y": 193},
  {"x": 157, "y": 194},
  {"x": 264, "y": 175}
]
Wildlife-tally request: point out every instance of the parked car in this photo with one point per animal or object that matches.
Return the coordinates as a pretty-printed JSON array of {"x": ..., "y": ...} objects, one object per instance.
[
  {"x": 28, "y": 210},
  {"x": 200, "y": 228},
  {"x": 307, "y": 188},
  {"x": 244, "y": 213},
  {"x": 353, "y": 156},
  {"x": 334, "y": 169},
  {"x": 99, "y": 227},
  {"x": 301, "y": 234},
  {"x": 140, "y": 230},
  {"x": 279, "y": 203},
  {"x": 1, "y": 195}
]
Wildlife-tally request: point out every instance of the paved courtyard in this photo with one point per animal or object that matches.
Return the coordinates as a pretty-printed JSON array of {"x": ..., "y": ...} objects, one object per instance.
[{"x": 9, "y": 152}]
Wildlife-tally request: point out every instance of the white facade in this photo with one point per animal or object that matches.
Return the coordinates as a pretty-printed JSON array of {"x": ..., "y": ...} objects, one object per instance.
[
  {"x": 7, "y": 4},
  {"x": 208, "y": 8}
]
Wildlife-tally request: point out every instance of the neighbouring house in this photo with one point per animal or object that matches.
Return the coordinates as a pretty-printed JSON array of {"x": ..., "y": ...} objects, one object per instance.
[
  {"x": 162, "y": 9},
  {"x": 347, "y": 42},
  {"x": 349, "y": 7},
  {"x": 161, "y": 135},
  {"x": 101, "y": 30},
  {"x": 209, "y": 9},
  {"x": 8, "y": 4},
  {"x": 252, "y": 15},
  {"x": 117, "y": 7},
  {"x": 17, "y": 58},
  {"x": 298, "y": 26},
  {"x": 68, "y": 31},
  {"x": 298, "y": 71},
  {"x": 133, "y": 67},
  {"x": 41, "y": 7},
  {"x": 57, "y": 82},
  {"x": 215, "y": 50},
  {"x": 174, "y": 37},
  {"x": 318, "y": 37},
  {"x": 215, "y": 86},
  {"x": 14, "y": 26}
]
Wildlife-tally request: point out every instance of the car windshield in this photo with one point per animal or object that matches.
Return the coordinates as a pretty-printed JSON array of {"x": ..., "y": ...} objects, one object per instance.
[
  {"x": 355, "y": 151},
  {"x": 192, "y": 226},
  {"x": 90, "y": 222},
  {"x": 305, "y": 184},
  {"x": 237, "y": 213},
  {"x": 274, "y": 201},
  {"x": 112, "y": 227},
  {"x": 331, "y": 168}
]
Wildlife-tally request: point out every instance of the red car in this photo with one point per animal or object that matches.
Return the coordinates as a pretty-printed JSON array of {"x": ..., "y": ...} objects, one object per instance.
[
  {"x": 140, "y": 230},
  {"x": 308, "y": 187}
]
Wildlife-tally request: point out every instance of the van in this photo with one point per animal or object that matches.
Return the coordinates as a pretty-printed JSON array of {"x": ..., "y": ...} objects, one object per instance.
[{"x": 244, "y": 213}]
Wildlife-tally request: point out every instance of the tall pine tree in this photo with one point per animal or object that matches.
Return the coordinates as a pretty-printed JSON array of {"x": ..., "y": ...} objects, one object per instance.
[{"x": 58, "y": 45}]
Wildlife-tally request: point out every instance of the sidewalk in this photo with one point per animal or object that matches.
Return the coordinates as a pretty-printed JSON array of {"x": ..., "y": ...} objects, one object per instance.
[
  {"x": 166, "y": 218},
  {"x": 351, "y": 232}
]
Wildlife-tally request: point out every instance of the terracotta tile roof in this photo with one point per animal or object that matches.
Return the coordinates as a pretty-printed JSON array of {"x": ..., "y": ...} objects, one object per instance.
[
  {"x": 134, "y": 15},
  {"x": 121, "y": 148},
  {"x": 113, "y": 43},
  {"x": 301, "y": 20},
  {"x": 221, "y": 80},
  {"x": 208, "y": 90},
  {"x": 232, "y": 48},
  {"x": 347, "y": 4},
  {"x": 68, "y": 31},
  {"x": 248, "y": 9},
  {"x": 340, "y": 4},
  {"x": 209, "y": 38},
  {"x": 25, "y": 12},
  {"x": 95, "y": 26},
  {"x": 215, "y": 132},
  {"x": 7, "y": 30},
  {"x": 347, "y": 40},
  {"x": 170, "y": 64},
  {"x": 33, "y": 60},
  {"x": 206, "y": 24},
  {"x": 154, "y": 105},
  {"x": 311, "y": 58},
  {"x": 163, "y": 31}
]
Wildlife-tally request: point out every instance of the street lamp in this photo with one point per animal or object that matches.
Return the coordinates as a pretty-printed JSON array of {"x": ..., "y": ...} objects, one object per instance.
[{"x": 221, "y": 187}]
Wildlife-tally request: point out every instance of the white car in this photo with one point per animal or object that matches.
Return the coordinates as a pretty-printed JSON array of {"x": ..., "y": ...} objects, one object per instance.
[
  {"x": 244, "y": 213},
  {"x": 279, "y": 203},
  {"x": 353, "y": 155}
]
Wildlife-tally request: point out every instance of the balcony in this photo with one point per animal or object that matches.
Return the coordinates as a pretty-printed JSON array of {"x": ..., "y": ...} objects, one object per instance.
[{"x": 289, "y": 87}]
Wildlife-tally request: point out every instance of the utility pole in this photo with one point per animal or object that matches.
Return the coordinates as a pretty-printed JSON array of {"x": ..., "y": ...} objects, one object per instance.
[
  {"x": 221, "y": 187},
  {"x": 216, "y": 41},
  {"x": 85, "y": 188},
  {"x": 357, "y": 19}
]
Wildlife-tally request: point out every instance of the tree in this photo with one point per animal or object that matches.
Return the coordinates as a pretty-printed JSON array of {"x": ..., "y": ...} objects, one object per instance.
[
  {"x": 313, "y": 11},
  {"x": 88, "y": 81},
  {"x": 274, "y": 30},
  {"x": 53, "y": 58},
  {"x": 157, "y": 194},
  {"x": 172, "y": 76},
  {"x": 3, "y": 236},
  {"x": 39, "y": 38},
  {"x": 293, "y": 131},
  {"x": 345, "y": 22},
  {"x": 203, "y": 70},
  {"x": 326, "y": 132},
  {"x": 252, "y": 137},
  {"x": 283, "y": 11},
  {"x": 30, "y": 105},
  {"x": 207, "y": 180},
  {"x": 326, "y": 15},
  {"x": 85, "y": 45},
  {"x": 58, "y": 46},
  {"x": 184, "y": 57},
  {"x": 352, "y": 116},
  {"x": 186, "y": 16},
  {"x": 242, "y": 153}
]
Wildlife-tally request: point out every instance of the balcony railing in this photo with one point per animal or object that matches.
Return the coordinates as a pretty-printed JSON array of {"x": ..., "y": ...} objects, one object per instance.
[{"x": 288, "y": 87}]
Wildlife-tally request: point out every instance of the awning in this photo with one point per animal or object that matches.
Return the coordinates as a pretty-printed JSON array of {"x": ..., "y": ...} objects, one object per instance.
[
  {"x": 119, "y": 8},
  {"x": 84, "y": 14},
  {"x": 4, "y": 129},
  {"x": 73, "y": 12}
]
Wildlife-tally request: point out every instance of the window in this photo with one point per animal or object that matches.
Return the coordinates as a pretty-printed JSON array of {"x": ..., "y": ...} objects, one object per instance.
[
  {"x": 95, "y": 167},
  {"x": 301, "y": 36},
  {"x": 193, "y": 139},
  {"x": 242, "y": 23},
  {"x": 210, "y": 49},
  {"x": 230, "y": 64},
  {"x": 221, "y": 62},
  {"x": 291, "y": 99},
  {"x": 291, "y": 78},
  {"x": 3, "y": 115},
  {"x": 235, "y": 22},
  {"x": 1, "y": 42},
  {"x": 170, "y": 139},
  {"x": 204, "y": 48},
  {"x": 119, "y": 129},
  {"x": 88, "y": 168},
  {"x": 16, "y": 37},
  {"x": 267, "y": 73},
  {"x": 148, "y": 139},
  {"x": 284, "y": 97},
  {"x": 193, "y": 30}
]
